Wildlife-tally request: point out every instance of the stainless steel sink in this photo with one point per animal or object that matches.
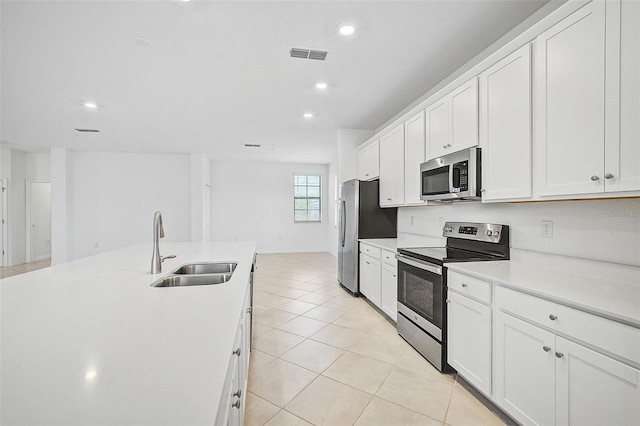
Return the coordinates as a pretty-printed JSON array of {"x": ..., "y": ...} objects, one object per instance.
[
  {"x": 189, "y": 280},
  {"x": 206, "y": 268}
]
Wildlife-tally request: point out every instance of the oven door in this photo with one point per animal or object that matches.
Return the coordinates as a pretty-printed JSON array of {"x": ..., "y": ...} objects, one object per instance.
[{"x": 420, "y": 293}]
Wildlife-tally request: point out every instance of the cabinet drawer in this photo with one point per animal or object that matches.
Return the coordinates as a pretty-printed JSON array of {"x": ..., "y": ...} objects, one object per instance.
[
  {"x": 389, "y": 257},
  {"x": 469, "y": 286},
  {"x": 617, "y": 338},
  {"x": 374, "y": 252}
]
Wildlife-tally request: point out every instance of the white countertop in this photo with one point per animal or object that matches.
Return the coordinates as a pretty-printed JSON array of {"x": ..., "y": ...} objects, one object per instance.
[
  {"x": 405, "y": 240},
  {"x": 90, "y": 342},
  {"x": 607, "y": 289}
]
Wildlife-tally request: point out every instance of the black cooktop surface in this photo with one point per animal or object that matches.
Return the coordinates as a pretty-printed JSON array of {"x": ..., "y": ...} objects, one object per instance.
[{"x": 442, "y": 255}]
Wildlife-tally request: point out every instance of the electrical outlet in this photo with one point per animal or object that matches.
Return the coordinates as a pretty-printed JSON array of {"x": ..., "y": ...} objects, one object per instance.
[{"x": 546, "y": 228}]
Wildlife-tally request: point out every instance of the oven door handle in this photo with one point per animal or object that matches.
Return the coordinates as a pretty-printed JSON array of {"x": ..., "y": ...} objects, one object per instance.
[{"x": 419, "y": 264}]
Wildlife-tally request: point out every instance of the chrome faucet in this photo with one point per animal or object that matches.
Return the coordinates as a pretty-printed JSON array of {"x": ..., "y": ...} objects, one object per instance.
[{"x": 158, "y": 232}]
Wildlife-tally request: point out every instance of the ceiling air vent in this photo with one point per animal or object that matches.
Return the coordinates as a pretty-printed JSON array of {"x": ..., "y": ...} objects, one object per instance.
[
  {"x": 88, "y": 130},
  {"x": 320, "y": 55},
  {"x": 251, "y": 145}
]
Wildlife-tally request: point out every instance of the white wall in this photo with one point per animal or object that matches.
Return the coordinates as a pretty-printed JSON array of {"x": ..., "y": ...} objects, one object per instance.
[
  {"x": 38, "y": 166},
  {"x": 254, "y": 201},
  {"x": 606, "y": 230},
  {"x": 347, "y": 141},
  {"x": 333, "y": 195},
  {"x": 113, "y": 197},
  {"x": 17, "y": 212}
]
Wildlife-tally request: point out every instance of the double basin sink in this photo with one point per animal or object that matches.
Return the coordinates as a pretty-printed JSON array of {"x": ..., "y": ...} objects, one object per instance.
[{"x": 206, "y": 273}]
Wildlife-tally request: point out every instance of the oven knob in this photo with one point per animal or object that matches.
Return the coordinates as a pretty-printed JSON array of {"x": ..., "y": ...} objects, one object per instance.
[
  {"x": 496, "y": 233},
  {"x": 489, "y": 233}
]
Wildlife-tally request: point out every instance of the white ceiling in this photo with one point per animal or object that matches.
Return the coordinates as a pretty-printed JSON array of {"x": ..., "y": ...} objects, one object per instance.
[{"x": 210, "y": 76}]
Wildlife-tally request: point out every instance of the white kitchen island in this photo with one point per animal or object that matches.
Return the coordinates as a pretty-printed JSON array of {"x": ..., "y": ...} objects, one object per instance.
[{"x": 90, "y": 342}]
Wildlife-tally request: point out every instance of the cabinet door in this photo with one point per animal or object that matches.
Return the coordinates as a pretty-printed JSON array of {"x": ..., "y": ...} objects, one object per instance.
[
  {"x": 570, "y": 103},
  {"x": 369, "y": 161},
  {"x": 375, "y": 295},
  {"x": 392, "y": 168},
  {"x": 505, "y": 127},
  {"x": 464, "y": 116},
  {"x": 593, "y": 389},
  {"x": 469, "y": 340},
  {"x": 524, "y": 370},
  {"x": 389, "y": 292},
  {"x": 414, "y": 155},
  {"x": 622, "y": 147},
  {"x": 438, "y": 128},
  {"x": 365, "y": 276}
]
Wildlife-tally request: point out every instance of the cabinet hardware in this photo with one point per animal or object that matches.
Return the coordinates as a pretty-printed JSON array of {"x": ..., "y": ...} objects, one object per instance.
[
  {"x": 553, "y": 317},
  {"x": 237, "y": 352},
  {"x": 248, "y": 310},
  {"x": 464, "y": 285},
  {"x": 236, "y": 404},
  {"x": 448, "y": 301},
  {"x": 448, "y": 145},
  {"x": 238, "y": 393},
  {"x": 559, "y": 355},
  {"x": 595, "y": 178},
  {"x": 483, "y": 190},
  {"x": 444, "y": 147},
  {"x": 608, "y": 176},
  {"x": 389, "y": 199},
  {"x": 366, "y": 174},
  {"x": 394, "y": 275},
  {"x": 546, "y": 348}
]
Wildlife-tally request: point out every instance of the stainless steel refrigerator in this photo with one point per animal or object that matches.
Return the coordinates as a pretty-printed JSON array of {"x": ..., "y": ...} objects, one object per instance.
[{"x": 360, "y": 216}]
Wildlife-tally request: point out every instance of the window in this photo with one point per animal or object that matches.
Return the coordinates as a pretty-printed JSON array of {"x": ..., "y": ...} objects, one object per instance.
[{"x": 306, "y": 198}]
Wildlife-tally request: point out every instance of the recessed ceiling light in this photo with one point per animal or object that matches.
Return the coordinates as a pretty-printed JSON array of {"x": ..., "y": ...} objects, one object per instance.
[
  {"x": 307, "y": 115},
  {"x": 347, "y": 30},
  {"x": 321, "y": 85},
  {"x": 90, "y": 105}
]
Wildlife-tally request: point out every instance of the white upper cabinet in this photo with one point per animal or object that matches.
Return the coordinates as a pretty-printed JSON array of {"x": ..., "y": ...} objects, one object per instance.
[
  {"x": 570, "y": 101},
  {"x": 369, "y": 161},
  {"x": 392, "y": 168},
  {"x": 452, "y": 122},
  {"x": 622, "y": 111},
  {"x": 505, "y": 127},
  {"x": 414, "y": 155}
]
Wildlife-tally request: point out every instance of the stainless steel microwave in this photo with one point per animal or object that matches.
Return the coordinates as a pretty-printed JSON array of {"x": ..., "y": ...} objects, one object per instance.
[{"x": 452, "y": 177}]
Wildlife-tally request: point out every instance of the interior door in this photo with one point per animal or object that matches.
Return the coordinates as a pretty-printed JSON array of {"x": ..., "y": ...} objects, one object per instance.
[{"x": 40, "y": 220}]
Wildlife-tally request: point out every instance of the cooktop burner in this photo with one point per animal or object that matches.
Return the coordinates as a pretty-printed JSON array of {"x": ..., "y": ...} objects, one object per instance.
[
  {"x": 466, "y": 242},
  {"x": 442, "y": 255}
]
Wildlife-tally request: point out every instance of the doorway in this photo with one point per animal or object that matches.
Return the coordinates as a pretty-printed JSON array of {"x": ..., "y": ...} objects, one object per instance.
[{"x": 38, "y": 198}]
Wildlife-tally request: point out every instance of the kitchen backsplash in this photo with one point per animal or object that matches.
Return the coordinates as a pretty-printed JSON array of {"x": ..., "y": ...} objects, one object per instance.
[{"x": 606, "y": 230}]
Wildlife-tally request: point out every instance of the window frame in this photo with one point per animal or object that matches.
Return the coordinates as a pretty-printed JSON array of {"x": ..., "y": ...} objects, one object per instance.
[{"x": 307, "y": 197}]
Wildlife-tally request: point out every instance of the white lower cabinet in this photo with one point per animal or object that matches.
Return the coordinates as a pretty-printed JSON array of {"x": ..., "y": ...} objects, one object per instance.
[
  {"x": 524, "y": 370},
  {"x": 469, "y": 340},
  {"x": 378, "y": 278},
  {"x": 389, "y": 291},
  {"x": 370, "y": 280},
  {"x": 232, "y": 405},
  {"x": 544, "y": 379}
]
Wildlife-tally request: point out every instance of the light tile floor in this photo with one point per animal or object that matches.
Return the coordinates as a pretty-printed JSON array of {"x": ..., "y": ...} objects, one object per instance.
[
  {"x": 323, "y": 357},
  {"x": 9, "y": 271}
]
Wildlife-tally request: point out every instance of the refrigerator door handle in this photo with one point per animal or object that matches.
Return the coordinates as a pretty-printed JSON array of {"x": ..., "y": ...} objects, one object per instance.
[{"x": 343, "y": 208}]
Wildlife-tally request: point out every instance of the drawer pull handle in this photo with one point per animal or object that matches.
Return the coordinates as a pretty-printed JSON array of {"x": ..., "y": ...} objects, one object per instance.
[
  {"x": 237, "y": 352},
  {"x": 553, "y": 317},
  {"x": 464, "y": 285},
  {"x": 394, "y": 275},
  {"x": 559, "y": 355},
  {"x": 236, "y": 404},
  {"x": 595, "y": 178},
  {"x": 546, "y": 348},
  {"x": 238, "y": 393}
]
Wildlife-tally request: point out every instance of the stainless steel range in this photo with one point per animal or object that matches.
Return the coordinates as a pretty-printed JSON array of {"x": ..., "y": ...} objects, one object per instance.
[{"x": 422, "y": 282}]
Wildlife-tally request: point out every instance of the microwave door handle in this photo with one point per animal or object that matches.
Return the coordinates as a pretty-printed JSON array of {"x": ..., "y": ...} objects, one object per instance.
[{"x": 451, "y": 179}]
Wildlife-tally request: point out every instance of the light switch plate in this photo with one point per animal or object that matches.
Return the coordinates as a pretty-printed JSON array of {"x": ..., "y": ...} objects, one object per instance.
[{"x": 546, "y": 228}]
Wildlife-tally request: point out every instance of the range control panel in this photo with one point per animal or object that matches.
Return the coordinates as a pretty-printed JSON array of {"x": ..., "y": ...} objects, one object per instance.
[{"x": 473, "y": 231}]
